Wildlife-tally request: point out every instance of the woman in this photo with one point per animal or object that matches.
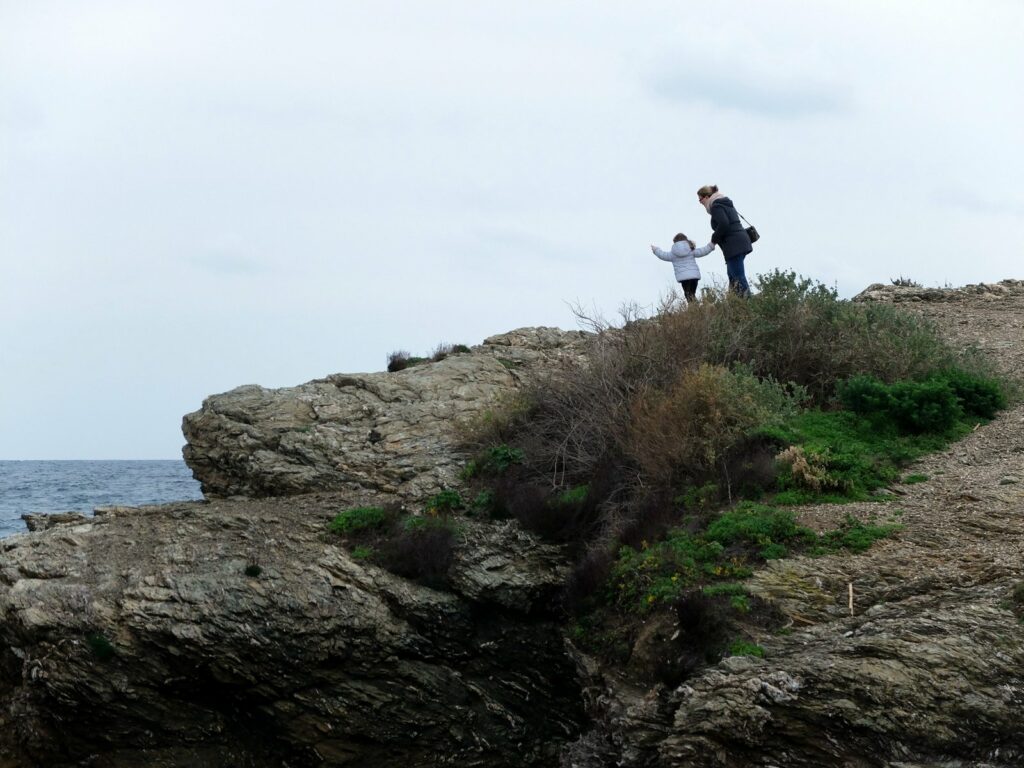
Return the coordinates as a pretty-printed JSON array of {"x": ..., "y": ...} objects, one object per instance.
[
  {"x": 684, "y": 255},
  {"x": 729, "y": 234}
]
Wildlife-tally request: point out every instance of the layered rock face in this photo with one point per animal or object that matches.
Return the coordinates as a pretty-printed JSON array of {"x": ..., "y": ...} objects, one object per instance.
[
  {"x": 140, "y": 639},
  {"x": 388, "y": 432}
]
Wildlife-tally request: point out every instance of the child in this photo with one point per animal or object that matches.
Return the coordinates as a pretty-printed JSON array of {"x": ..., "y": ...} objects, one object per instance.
[{"x": 684, "y": 257}]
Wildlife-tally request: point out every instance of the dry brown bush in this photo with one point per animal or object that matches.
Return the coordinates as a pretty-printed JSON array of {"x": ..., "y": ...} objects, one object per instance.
[
  {"x": 685, "y": 432},
  {"x": 805, "y": 472}
]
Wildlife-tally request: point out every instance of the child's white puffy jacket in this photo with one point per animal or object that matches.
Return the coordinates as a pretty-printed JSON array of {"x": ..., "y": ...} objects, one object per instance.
[{"x": 684, "y": 259}]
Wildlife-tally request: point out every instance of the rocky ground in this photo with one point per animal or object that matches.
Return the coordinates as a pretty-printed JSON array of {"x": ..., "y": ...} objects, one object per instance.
[{"x": 138, "y": 637}]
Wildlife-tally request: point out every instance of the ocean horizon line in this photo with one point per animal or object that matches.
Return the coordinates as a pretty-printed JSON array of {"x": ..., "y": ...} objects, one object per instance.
[{"x": 177, "y": 458}]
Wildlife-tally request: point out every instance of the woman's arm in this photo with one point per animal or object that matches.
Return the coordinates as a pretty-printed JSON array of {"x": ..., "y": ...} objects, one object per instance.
[{"x": 719, "y": 223}]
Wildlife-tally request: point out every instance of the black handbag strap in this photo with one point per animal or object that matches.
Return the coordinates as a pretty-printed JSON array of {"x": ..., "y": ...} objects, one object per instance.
[{"x": 744, "y": 218}]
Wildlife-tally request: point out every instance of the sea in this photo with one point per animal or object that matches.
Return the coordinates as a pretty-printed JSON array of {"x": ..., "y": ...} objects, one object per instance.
[{"x": 81, "y": 486}]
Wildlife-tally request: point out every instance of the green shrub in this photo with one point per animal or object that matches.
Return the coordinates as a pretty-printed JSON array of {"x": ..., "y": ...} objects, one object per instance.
[
  {"x": 400, "y": 360},
  {"x": 575, "y": 495},
  {"x": 362, "y": 553},
  {"x": 699, "y": 498},
  {"x": 494, "y": 461},
  {"x": 932, "y": 405},
  {"x": 978, "y": 395},
  {"x": 483, "y": 502},
  {"x": 445, "y": 502},
  {"x": 915, "y": 406},
  {"x": 925, "y": 406},
  {"x": 359, "y": 519},
  {"x": 763, "y": 529},
  {"x": 912, "y": 479}
]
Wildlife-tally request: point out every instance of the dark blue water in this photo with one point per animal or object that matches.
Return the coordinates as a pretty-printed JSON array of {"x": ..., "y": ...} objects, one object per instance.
[{"x": 80, "y": 486}]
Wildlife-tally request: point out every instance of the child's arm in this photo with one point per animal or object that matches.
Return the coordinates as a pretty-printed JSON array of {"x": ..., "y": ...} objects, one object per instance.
[
  {"x": 660, "y": 253},
  {"x": 704, "y": 250}
]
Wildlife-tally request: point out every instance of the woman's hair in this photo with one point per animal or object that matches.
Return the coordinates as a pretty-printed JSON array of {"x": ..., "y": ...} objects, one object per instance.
[
  {"x": 707, "y": 190},
  {"x": 681, "y": 236}
]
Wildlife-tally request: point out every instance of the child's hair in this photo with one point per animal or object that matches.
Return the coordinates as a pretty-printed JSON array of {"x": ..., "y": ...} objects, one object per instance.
[
  {"x": 707, "y": 190},
  {"x": 681, "y": 236}
]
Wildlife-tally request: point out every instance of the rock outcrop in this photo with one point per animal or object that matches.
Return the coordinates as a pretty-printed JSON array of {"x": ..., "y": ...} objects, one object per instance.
[
  {"x": 387, "y": 432},
  {"x": 239, "y": 632},
  {"x": 236, "y": 633},
  {"x": 907, "y": 293}
]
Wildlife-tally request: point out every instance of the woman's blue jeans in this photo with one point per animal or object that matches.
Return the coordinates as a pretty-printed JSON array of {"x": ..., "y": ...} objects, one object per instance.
[{"x": 737, "y": 277}]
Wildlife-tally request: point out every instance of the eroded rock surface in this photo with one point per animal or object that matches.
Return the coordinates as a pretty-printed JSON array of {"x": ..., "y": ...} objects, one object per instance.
[
  {"x": 388, "y": 432},
  {"x": 138, "y": 638}
]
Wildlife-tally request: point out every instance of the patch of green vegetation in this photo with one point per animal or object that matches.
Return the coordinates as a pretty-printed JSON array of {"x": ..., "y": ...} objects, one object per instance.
[
  {"x": 101, "y": 647},
  {"x": 912, "y": 479},
  {"x": 494, "y": 461},
  {"x": 658, "y": 574},
  {"x": 726, "y": 550},
  {"x": 571, "y": 496},
  {"x": 483, "y": 503},
  {"x": 766, "y": 529},
  {"x": 745, "y": 648},
  {"x": 740, "y": 602},
  {"x": 699, "y": 498},
  {"x": 855, "y": 536},
  {"x": 857, "y": 455},
  {"x": 730, "y": 588},
  {"x": 445, "y": 502},
  {"x": 362, "y": 553},
  {"x": 359, "y": 519},
  {"x": 935, "y": 404}
]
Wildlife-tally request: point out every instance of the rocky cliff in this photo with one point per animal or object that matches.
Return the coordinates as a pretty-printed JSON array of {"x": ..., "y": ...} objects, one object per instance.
[
  {"x": 238, "y": 633},
  {"x": 388, "y": 432}
]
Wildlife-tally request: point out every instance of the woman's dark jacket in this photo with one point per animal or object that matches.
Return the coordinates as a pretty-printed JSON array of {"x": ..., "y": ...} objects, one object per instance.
[{"x": 730, "y": 235}]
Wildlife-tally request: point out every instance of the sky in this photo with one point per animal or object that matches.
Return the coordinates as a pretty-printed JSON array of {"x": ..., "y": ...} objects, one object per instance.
[{"x": 200, "y": 195}]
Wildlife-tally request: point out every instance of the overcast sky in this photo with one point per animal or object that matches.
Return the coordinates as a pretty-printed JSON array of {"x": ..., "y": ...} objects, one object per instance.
[{"x": 200, "y": 195}]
